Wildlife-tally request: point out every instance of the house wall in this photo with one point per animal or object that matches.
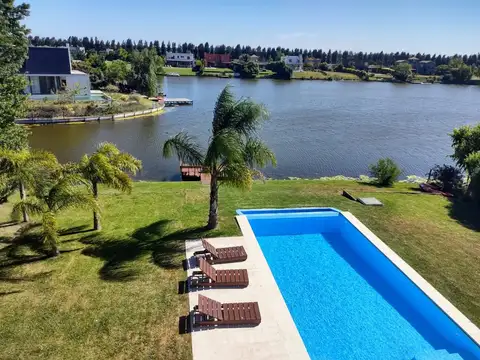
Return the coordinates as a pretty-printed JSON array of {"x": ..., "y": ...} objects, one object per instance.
[{"x": 82, "y": 79}]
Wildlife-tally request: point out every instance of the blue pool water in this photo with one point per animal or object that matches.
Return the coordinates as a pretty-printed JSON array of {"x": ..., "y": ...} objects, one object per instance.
[{"x": 347, "y": 299}]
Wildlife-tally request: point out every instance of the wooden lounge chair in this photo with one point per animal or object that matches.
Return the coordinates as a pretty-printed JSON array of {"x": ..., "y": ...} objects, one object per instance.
[
  {"x": 223, "y": 255},
  {"x": 210, "y": 277},
  {"x": 209, "y": 312}
]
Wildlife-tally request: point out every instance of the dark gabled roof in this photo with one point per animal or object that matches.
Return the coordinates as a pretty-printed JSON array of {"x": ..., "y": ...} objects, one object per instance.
[{"x": 47, "y": 60}]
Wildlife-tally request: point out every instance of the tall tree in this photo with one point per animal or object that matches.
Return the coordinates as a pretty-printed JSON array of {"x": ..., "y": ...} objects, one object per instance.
[
  {"x": 163, "y": 49},
  {"x": 13, "y": 52},
  {"x": 233, "y": 152},
  {"x": 110, "y": 167}
]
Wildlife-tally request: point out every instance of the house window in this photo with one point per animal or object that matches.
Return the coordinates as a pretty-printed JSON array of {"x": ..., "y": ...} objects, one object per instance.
[{"x": 48, "y": 85}]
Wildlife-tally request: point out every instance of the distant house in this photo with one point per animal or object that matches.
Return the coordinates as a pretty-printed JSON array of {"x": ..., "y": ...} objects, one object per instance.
[
  {"x": 413, "y": 61},
  {"x": 293, "y": 62},
  {"x": 254, "y": 58},
  {"x": 374, "y": 68},
  {"x": 77, "y": 50},
  {"x": 426, "y": 67},
  {"x": 180, "y": 59},
  {"x": 217, "y": 60},
  {"x": 49, "y": 71}
]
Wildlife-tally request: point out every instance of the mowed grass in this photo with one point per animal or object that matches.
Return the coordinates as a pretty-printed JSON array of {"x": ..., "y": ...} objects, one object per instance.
[
  {"x": 113, "y": 294},
  {"x": 179, "y": 70},
  {"x": 218, "y": 70},
  {"x": 317, "y": 75}
]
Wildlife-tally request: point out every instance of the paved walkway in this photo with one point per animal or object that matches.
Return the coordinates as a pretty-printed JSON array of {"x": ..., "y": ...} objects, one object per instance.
[{"x": 275, "y": 338}]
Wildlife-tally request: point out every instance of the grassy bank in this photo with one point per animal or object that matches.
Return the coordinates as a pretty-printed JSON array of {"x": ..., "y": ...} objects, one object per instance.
[
  {"x": 121, "y": 103},
  {"x": 113, "y": 294},
  {"x": 324, "y": 75}
]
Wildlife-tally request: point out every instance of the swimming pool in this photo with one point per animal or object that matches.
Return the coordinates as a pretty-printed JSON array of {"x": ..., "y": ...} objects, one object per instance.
[{"x": 347, "y": 299}]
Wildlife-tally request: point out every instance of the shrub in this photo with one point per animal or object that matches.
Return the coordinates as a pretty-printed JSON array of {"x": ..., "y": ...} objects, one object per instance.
[
  {"x": 449, "y": 178},
  {"x": 111, "y": 88},
  {"x": 386, "y": 171}
]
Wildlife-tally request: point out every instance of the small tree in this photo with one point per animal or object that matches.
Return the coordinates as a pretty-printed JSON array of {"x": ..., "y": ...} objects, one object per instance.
[
  {"x": 111, "y": 167},
  {"x": 402, "y": 71},
  {"x": 21, "y": 167},
  {"x": 54, "y": 191},
  {"x": 386, "y": 171},
  {"x": 448, "y": 177},
  {"x": 233, "y": 150}
]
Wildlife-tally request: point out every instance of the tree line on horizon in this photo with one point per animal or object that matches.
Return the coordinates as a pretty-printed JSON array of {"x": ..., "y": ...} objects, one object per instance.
[{"x": 347, "y": 58}]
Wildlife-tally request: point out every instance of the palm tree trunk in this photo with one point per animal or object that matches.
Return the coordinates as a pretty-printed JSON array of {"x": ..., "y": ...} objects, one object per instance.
[
  {"x": 23, "y": 196},
  {"x": 213, "y": 213},
  {"x": 96, "y": 219}
]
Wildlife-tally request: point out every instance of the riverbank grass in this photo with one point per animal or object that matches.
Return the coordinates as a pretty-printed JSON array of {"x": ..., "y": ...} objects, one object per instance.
[
  {"x": 113, "y": 294},
  {"x": 324, "y": 75}
]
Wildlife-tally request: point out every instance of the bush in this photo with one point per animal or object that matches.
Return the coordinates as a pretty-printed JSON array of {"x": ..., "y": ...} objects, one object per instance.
[
  {"x": 447, "y": 177},
  {"x": 111, "y": 88},
  {"x": 386, "y": 171}
]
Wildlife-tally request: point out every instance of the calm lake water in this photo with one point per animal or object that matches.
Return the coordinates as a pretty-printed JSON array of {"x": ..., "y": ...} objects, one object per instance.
[{"x": 317, "y": 128}]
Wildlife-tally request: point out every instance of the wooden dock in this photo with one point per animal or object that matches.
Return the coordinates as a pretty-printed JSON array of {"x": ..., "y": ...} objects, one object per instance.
[
  {"x": 194, "y": 173},
  {"x": 169, "y": 102}
]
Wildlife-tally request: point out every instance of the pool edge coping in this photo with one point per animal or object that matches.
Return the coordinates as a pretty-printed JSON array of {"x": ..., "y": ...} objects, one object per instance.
[{"x": 465, "y": 324}]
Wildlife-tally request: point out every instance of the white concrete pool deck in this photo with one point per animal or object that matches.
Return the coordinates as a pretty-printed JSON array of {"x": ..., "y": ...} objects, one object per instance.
[{"x": 275, "y": 338}]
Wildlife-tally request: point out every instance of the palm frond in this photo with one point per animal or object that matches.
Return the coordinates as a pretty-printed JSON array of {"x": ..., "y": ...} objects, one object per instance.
[
  {"x": 225, "y": 146},
  {"x": 49, "y": 230},
  {"x": 224, "y": 107},
  {"x": 31, "y": 206},
  {"x": 127, "y": 162},
  {"x": 185, "y": 148},
  {"x": 256, "y": 153},
  {"x": 108, "y": 149},
  {"x": 237, "y": 175},
  {"x": 248, "y": 116}
]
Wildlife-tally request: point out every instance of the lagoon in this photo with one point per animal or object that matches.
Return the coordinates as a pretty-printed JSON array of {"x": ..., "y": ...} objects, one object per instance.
[{"x": 317, "y": 128}]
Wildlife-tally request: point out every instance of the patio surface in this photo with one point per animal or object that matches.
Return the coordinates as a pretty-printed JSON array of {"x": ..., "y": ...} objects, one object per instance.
[{"x": 275, "y": 338}]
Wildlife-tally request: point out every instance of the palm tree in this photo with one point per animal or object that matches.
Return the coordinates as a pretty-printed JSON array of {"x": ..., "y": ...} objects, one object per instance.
[
  {"x": 111, "y": 167},
  {"x": 233, "y": 151},
  {"x": 21, "y": 167},
  {"x": 54, "y": 191}
]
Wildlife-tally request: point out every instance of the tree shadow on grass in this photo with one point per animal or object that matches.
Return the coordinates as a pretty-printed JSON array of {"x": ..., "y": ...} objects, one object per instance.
[
  {"x": 75, "y": 230},
  {"x": 24, "y": 249},
  {"x": 465, "y": 212},
  {"x": 164, "y": 247}
]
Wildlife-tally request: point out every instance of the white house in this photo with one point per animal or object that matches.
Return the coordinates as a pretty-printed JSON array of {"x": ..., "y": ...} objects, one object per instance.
[
  {"x": 49, "y": 71},
  {"x": 180, "y": 59},
  {"x": 293, "y": 62}
]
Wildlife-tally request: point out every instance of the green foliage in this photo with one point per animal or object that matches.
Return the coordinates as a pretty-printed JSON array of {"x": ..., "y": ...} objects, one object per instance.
[
  {"x": 116, "y": 71},
  {"x": 144, "y": 72},
  {"x": 339, "y": 68},
  {"x": 323, "y": 66},
  {"x": 402, "y": 71},
  {"x": 448, "y": 177},
  {"x": 442, "y": 70},
  {"x": 459, "y": 73},
  {"x": 54, "y": 190},
  {"x": 386, "y": 171},
  {"x": 13, "y": 52},
  {"x": 465, "y": 141},
  {"x": 247, "y": 70},
  {"x": 234, "y": 150},
  {"x": 108, "y": 166},
  {"x": 281, "y": 70}
]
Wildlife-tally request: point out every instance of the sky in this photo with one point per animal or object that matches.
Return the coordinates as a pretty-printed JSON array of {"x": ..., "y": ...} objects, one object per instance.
[{"x": 425, "y": 26}]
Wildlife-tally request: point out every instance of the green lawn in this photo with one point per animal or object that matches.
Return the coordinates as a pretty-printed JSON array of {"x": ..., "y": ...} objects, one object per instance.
[
  {"x": 218, "y": 70},
  {"x": 113, "y": 294},
  {"x": 179, "y": 70},
  {"x": 317, "y": 75}
]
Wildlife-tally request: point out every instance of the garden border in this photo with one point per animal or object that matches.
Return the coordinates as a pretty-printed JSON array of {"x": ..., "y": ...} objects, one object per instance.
[{"x": 80, "y": 119}]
